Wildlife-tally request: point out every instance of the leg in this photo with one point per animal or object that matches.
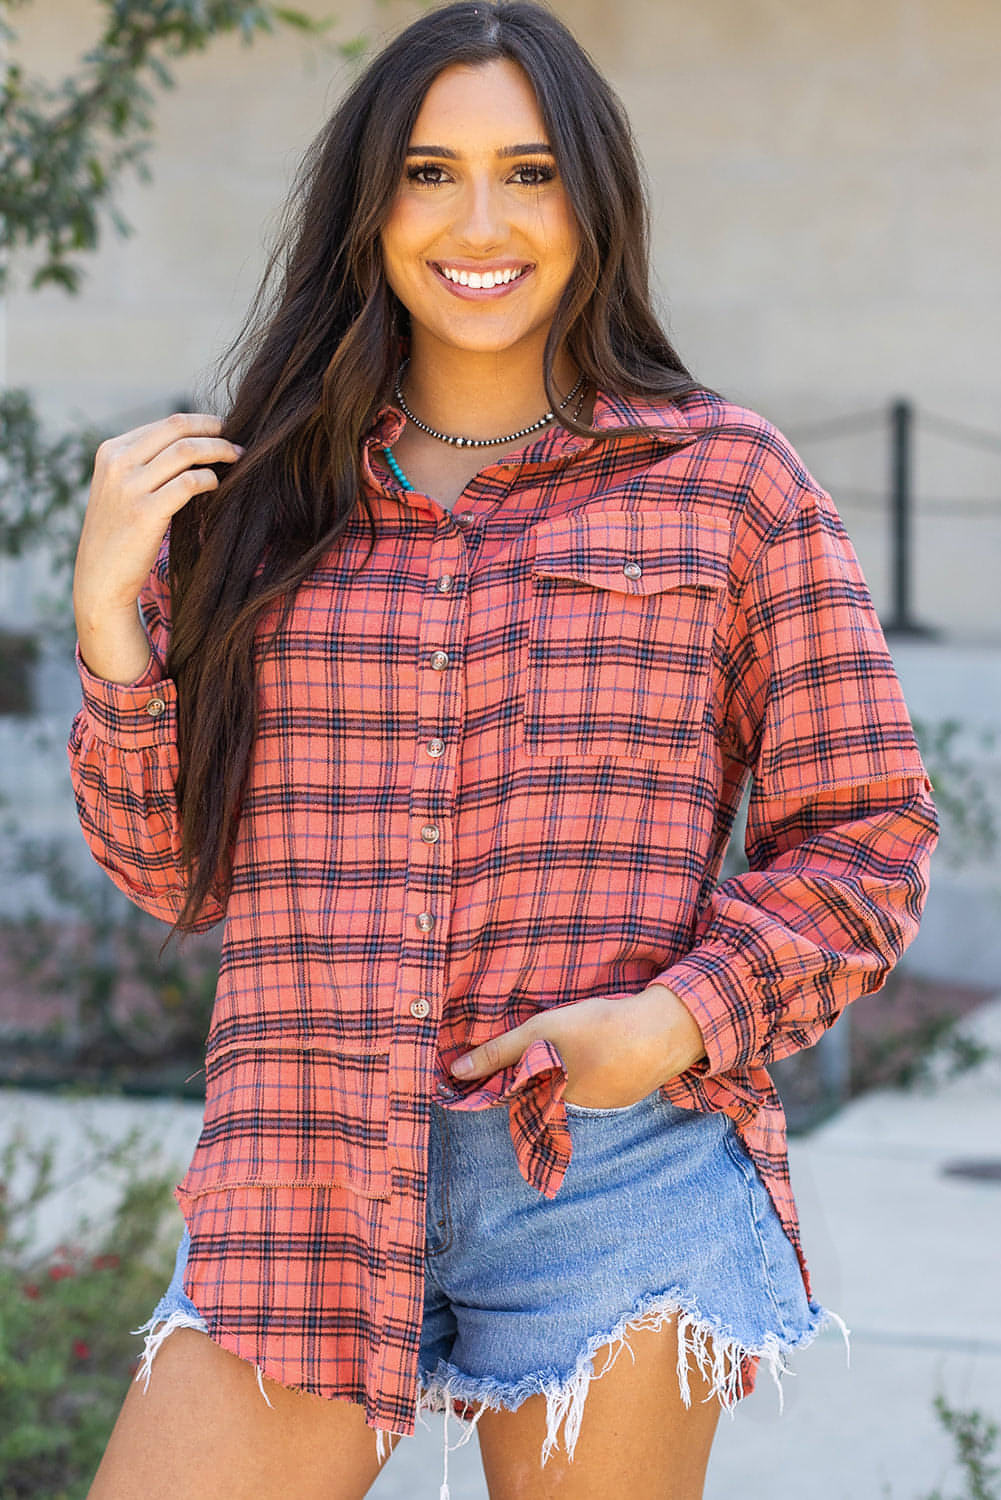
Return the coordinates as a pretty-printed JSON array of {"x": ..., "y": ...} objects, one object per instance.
[
  {"x": 637, "y": 1437},
  {"x": 202, "y": 1431}
]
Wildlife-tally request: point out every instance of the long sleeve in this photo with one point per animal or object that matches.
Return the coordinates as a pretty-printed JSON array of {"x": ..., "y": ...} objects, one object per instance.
[
  {"x": 123, "y": 767},
  {"x": 841, "y": 824}
]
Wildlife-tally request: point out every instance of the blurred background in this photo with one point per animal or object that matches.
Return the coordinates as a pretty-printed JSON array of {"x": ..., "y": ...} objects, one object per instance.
[{"x": 824, "y": 182}]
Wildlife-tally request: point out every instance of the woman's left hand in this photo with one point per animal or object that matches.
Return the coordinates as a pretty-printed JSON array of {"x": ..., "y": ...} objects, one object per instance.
[{"x": 616, "y": 1051}]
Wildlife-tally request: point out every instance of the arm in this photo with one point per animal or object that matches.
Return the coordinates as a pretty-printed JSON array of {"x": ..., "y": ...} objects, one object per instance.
[
  {"x": 841, "y": 824},
  {"x": 123, "y": 766},
  {"x": 123, "y": 743}
]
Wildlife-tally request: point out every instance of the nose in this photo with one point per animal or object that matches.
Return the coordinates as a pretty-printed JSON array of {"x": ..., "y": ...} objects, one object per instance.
[{"x": 481, "y": 224}]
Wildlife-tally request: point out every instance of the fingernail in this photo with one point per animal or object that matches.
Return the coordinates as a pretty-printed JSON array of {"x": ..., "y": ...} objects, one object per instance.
[
  {"x": 238, "y": 448},
  {"x": 462, "y": 1066}
]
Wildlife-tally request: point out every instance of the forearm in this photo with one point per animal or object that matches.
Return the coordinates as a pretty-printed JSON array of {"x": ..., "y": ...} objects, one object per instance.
[
  {"x": 123, "y": 767},
  {"x": 113, "y": 643},
  {"x": 781, "y": 950}
]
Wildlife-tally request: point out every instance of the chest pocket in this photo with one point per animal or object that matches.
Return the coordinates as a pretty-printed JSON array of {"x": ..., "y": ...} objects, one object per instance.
[{"x": 619, "y": 644}]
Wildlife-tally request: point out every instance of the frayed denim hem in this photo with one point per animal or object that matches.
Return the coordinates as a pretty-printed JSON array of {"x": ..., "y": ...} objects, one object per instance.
[
  {"x": 179, "y": 1318},
  {"x": 565, "y": 1397}
]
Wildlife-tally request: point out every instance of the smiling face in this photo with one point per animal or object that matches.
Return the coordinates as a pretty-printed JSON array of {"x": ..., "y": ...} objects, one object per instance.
[{"x": 481, "y": 238}]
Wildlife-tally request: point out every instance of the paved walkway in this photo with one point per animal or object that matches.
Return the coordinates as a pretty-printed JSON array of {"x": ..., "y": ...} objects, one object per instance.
[{"x": 907, "y": 1254}]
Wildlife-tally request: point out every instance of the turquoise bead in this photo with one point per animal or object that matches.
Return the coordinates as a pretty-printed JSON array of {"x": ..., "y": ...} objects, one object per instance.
[{"x": 394, "y": 466}]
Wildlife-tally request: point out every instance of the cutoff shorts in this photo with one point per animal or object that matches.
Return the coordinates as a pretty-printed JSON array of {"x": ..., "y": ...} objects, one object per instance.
[{"x": 661, "y": 1215}]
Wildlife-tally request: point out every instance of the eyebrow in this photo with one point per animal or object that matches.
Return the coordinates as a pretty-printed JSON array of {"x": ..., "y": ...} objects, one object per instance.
[{"x": 532, "y": 148}]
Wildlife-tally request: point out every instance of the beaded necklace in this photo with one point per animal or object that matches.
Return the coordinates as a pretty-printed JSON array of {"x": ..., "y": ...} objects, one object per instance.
[{"x": 398, "y": 474}]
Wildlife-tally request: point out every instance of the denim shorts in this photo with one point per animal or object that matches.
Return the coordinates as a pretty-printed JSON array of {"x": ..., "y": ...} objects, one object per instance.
[{"x": 662, "y": 1215}]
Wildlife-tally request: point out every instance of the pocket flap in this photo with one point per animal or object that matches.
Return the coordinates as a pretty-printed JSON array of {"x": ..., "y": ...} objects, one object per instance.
[{"x": 635, "y": 552}]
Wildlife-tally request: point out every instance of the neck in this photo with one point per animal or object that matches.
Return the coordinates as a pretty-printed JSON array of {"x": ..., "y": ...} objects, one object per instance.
[{"x": 476, "y": 394}]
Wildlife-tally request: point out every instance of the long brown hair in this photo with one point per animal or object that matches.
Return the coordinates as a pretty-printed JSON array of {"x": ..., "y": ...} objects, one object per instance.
[{"x": 314, "y": 362}]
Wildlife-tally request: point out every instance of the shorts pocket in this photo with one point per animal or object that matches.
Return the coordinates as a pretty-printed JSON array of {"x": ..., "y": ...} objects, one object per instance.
[
  {"x": 292, "y": 1112},
  {"x": 619, "y": 644},
  {"x": 619, "y": 1109}
]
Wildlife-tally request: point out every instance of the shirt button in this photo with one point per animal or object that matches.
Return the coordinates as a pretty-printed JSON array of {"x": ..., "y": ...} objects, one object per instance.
[
  {"x": 633, "y": 570},
  {"x": 445, "y": 583},
  {"x": 429, "y": 834},
  {"x": 420, "y": 1009},
  {"x": 155, "y": 707},
  {"x": 439, "y": 660},
  {"x": 463, "y": 517},
  {"x": 436, "y": 747},
  {"x": 425, "y": 921}
]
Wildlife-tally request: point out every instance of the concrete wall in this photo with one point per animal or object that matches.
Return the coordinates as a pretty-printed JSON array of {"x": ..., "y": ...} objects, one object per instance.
[{"x": 827, "y": 232}]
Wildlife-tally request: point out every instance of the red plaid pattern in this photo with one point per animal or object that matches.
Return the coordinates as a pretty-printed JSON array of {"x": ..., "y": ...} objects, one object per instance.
[{"x": 496, "y": 772}]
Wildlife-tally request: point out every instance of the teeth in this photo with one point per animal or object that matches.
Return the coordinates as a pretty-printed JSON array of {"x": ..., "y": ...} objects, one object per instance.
[{"x": 484, "y": 280}]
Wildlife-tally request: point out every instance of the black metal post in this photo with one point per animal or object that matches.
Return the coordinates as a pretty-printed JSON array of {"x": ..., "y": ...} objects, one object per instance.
[{"x": 901, "y": 621}]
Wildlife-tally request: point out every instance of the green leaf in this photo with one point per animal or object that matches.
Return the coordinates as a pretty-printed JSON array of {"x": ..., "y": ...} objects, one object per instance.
[
  {"x": 58, "y": 275},
  {"x": 300, "y": 20},
  {"x": 159, "y": 67}
]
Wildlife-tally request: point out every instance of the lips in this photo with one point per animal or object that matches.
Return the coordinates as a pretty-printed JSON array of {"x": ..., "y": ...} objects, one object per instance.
[{"x": 479, "y": 294}]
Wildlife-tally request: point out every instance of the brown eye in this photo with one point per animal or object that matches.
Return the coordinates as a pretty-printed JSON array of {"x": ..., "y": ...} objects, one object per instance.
[
  {"x": 416, "y": 174},
  {"x": 542, "y": 174}
]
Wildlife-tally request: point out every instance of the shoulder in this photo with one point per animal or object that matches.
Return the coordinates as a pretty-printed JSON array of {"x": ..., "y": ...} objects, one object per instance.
[
  {"x": 731, "y": 459},
  {"x": 729, "y": 464}
]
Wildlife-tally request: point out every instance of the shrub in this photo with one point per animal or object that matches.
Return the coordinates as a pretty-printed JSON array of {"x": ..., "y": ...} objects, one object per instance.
[{"x": 66, "y": 1350}]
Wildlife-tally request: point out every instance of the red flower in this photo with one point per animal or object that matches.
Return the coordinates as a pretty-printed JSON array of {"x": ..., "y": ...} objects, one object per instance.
[
  {"x": 105, "y": 1263},
  {"x": 30, "y": 1289},
  {"x": 57, "y": 1273},
  {"x": 80, "y": 1349}
]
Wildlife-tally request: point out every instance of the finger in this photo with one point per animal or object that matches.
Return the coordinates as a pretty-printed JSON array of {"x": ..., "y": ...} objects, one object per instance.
[
  {"x": 145, "y": 442},
  {"x": 184, "y": 454},
  {"x": 172, "y": 497},
  {"x": 492, "y": 1055}
]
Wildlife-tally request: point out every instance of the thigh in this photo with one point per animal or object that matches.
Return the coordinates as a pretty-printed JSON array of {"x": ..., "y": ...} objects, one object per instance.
[
  {"x": 636, "y": 1437},
  {"x": 202, "y": 1431}
]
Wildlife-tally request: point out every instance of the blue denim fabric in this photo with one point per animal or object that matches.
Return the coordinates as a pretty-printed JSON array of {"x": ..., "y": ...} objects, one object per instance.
[{"x": 662, "y": 1216}]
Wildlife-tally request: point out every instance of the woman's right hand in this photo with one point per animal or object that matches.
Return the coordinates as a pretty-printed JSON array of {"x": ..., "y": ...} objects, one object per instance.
[{"x": 141, "y": 479}]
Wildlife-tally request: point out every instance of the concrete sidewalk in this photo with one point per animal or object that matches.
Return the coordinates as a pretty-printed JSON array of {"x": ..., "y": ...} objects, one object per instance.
[{"x": 905, "y": 1253}]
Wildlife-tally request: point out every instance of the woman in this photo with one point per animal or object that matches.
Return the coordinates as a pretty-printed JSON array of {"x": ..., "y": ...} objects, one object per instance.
[{"x": 476, "y": 614}]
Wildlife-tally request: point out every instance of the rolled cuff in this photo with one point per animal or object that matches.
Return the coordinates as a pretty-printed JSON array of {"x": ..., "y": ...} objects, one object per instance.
[
  {"x": 733, "y": 1029},
  {"x": 132, "y": 716}
]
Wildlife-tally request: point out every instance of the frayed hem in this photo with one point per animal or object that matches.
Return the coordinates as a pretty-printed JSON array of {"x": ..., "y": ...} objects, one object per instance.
[
  {"x": 565, "y": 1397},
  {"x": 382, "y": 1437},
  {"x": 155, "y": 1336}
]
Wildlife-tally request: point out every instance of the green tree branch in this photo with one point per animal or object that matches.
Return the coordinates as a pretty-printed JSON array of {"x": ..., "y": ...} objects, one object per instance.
[{"x": 63, "y": 148}]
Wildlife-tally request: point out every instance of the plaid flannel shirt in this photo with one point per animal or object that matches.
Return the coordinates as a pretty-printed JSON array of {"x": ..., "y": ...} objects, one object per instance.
[{"x": 495, "y": 772}]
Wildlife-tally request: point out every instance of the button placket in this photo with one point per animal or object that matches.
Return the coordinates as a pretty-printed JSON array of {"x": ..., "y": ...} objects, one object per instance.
[{"x": 438, "y": 708}]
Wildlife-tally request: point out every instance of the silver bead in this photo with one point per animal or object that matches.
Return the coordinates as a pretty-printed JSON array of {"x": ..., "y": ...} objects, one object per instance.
[{"x": 464, "y": 442}]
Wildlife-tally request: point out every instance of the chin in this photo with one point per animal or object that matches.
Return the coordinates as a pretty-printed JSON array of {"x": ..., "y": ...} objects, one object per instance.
[{"x": 480, "y": 340}]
